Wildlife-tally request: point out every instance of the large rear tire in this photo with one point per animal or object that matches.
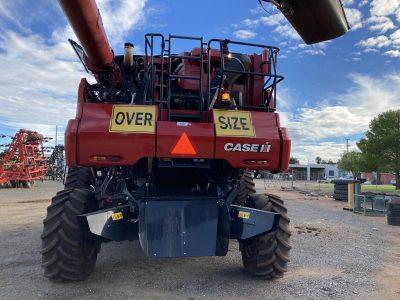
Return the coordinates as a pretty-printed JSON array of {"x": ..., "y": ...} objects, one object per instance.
[
  {"x": 266, "y": 256},
  {"x": 69, "y": 251},
  {"x": 79, "y": 178},
  {"x": 246, "y": 188}
]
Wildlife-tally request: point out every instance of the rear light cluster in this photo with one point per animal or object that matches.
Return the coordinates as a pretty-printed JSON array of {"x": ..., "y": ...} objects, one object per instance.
[
  {"x": 108, "y": 158},
  {"x": 256, "y": 162}
]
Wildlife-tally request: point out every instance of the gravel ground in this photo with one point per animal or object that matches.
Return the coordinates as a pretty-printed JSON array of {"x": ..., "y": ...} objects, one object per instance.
[{"x": 336, "y": 255}]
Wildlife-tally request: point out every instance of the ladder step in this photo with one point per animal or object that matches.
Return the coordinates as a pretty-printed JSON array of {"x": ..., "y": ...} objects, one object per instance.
[
  {"x": 186, "y": 57},
  {"x": 174, "y": 95},
  {"x": 175, "y": 115},
  {"x": 185, "y": 77},
  {"x": 185, "y": 37}
]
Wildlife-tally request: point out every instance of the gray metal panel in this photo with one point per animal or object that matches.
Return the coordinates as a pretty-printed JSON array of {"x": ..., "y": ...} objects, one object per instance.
[
  {"x": 171, "y": 228},
  {"x": 253, "y": 223},
  {"x": 101, "y": 223}
]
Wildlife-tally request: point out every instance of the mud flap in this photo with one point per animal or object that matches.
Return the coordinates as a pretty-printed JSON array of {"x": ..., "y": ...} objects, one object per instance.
[
  {"x": 182, "y": 228},
  {"x": 116, "y": 224},
  {"x": 249, "y": 222},
  {"x": 171, "y": 228}
]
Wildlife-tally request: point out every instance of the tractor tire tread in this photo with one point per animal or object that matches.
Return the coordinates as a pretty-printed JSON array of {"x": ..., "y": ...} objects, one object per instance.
[
  {"x": 78, "y": 178},
  {"x": 64, "y": 253},
  {"x": 271, "y": 250}
]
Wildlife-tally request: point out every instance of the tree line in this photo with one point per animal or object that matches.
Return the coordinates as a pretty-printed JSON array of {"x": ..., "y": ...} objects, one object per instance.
[{"x": 379, "y": 149}]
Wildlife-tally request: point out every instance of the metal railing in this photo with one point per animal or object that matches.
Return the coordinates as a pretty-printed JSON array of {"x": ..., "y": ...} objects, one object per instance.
[
  {"x": 270, "y": 78},
  {"x": 271, "y": 81}
]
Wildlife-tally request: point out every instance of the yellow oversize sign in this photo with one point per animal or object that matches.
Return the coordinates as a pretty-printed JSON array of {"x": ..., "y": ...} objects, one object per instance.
[
  {"x": 233, "y": 123},
  {"x": 133, "y": 118}
]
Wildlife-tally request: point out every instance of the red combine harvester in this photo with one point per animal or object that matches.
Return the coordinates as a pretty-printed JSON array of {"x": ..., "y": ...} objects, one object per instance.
[
  {"x": 160, "y": 148},
  {"x": 24, "y": 161}
]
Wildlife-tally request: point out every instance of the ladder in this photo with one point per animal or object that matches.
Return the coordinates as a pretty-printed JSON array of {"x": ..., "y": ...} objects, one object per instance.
[{"x": 173, "y": 114}]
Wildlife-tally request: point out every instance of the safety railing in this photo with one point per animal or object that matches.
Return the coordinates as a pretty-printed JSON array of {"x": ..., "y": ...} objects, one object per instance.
[{"x": 270, "y": 77}]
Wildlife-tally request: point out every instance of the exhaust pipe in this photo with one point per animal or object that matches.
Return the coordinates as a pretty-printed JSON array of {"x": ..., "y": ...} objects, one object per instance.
[{"x": 128, "y": 56}]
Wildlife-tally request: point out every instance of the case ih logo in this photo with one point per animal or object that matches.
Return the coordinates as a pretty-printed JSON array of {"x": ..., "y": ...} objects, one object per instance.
[{"x": 231, "y": 147}]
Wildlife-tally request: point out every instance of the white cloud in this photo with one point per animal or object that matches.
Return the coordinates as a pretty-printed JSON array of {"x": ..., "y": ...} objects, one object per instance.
[
  {"x": 39, "y": 75},
  {"x": 343, "y": 114},
  {"x": 273, "y": 20},
  {"x": 384, "y": 7},
  {"x": 121, "y": 17},
  {"x": 395, "y": 38},
  {"x": 347, "y": 2},
  {"x": 393, "y": 53},
  {"x": 244, "y": 34},
  {"x": 375, "y": 42},
  {"x": 354, "y": 16},
  {"x": 286, "y": 31},
  {"x": 381, "y": 24},
  {"x": 307, "y": 152}
]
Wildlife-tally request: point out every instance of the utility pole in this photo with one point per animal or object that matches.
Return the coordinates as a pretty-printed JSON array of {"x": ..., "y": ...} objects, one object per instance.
[
  {"x": 347, "y": 145},
  {"x": 55, "y": 143}
]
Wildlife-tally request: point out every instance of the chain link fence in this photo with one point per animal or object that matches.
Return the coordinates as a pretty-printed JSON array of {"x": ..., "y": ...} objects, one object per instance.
[{"x": 296, "y": 182}]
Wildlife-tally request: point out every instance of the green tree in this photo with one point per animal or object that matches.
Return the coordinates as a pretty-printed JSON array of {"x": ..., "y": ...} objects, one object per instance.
[
  {"x": 294, "y": 161},
  {"x": 318, "y": 160},
  {"x": 370, "y": 161},
  {"x": 381, "y": 146},
  {"x": 351, "y": 162},
  {"x": 328, "y": 162}
]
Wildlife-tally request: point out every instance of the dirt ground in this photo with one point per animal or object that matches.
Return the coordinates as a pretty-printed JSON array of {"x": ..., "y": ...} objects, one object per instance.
[{"x": 336, "y": 255}]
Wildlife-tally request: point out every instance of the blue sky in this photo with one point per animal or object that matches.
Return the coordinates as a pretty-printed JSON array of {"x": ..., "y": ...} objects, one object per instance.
[{"x": 331, "y": 91}]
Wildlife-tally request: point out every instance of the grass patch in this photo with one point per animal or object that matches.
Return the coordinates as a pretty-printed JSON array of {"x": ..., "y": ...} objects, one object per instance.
[{"x": 380, "y": 188}]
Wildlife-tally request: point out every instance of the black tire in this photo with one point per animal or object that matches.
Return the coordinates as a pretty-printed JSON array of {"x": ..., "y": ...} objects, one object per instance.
[
  {"x": 79, "y": 178},
  {"x": 341, "y": 189},
  {"x": 247, "y": 187},
  {"x": 26, "y": 184},
  {"x": 394, "y": 221},
  {"x": 340, "y": 195},
  {"x": 266, "y": 256},
  {"x": 340, "y": 199},
  {"x": 69, "y": 251}
]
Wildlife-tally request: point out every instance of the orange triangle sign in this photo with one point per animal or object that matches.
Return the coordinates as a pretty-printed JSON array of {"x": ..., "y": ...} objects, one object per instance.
[{"x": 184, "y": 146}]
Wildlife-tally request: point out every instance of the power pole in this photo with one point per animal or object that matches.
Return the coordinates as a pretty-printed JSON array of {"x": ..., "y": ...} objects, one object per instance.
[
  {"x": 347, "y": 145},
  {"x": 56, "y": 136}
]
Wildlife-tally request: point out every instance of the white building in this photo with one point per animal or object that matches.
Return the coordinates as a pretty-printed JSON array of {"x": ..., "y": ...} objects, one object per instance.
[{"x": 313, "y": 172}]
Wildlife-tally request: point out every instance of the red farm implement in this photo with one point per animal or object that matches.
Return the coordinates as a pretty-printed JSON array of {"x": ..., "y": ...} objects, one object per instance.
[{"x": 24, "y": 161}]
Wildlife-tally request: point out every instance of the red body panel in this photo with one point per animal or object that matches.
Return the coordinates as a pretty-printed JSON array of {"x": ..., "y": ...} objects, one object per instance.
[
  {"x": 92, "y": 138},
  {"x": 201, "y": 136},
  {"x": 267, "y": 132}
]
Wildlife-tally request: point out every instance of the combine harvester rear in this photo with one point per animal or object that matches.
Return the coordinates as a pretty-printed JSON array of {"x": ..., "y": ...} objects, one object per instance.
[
  {"x": 24, "y": 161},
  {"x": 160, "y": 150}
]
